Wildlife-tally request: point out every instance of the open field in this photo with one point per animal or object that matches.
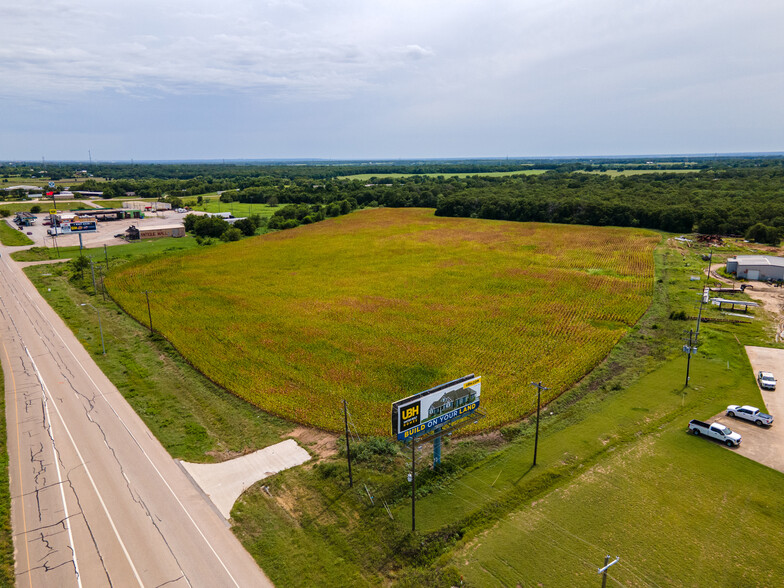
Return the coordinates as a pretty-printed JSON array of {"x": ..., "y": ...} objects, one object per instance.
[
  {"x": 190, "y": 416},
  {"x": 521, "y": 172},
  {"x": 45, "y": 205},
  {"x": 26, "y": 181},
  {"x": 380, "y": 304},
  {"x": 617, "y": 474},
  {"x": 11, "y": 236},
  {"x": 145, "y": 247}
]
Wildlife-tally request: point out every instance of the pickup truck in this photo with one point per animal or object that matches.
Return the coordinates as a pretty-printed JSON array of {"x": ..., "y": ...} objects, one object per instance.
[
  {"x": 766, "y": 381},
  {"x": 715, "y": 431},
  {"x": 750, "y": 413}
]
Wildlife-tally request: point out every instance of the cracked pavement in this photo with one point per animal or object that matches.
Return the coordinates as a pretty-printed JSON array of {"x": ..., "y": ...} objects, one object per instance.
[{"x": 96, "y": 500}]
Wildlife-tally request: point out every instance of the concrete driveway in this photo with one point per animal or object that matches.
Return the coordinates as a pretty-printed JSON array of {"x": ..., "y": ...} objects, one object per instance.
[{"x": 764, "y": 445}]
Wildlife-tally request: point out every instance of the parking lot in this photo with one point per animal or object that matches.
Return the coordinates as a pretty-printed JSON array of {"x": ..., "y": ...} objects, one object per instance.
[
  {"x": 764, "y": 445},
  {"x": 106, "y": 230}
]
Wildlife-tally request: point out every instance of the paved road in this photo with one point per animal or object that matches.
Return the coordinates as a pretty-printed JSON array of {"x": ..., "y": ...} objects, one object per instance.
[{"x": 96, "y": 500}]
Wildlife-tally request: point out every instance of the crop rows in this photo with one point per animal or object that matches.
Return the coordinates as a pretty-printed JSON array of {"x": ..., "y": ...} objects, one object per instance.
[{"x": 381, "y": 304}]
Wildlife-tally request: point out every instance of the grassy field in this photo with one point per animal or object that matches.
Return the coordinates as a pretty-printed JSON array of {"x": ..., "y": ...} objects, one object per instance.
[
  {"x": 380, "y": 304},
  {"x": 237, "y": 209},
  {"x": 6, "y": 541},
  {"x": 521, "y": 172},
  {"x": 617, "y": 474},
  {"x": 11, "y": 236},
  {"x": 190, "y": 416},
  {"x": 26, "y": 181},
  {"x": 14, "y": 207},
  {"x": 135, "y": 250}
]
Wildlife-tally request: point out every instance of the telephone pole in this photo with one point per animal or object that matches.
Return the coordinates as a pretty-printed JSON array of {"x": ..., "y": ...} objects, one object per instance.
[
  {"x": 147, "y": 294},
  {"x": 690, "y": 350},
  {"x": 539, "y": 388},
  {"x": 607, "y": 564}
]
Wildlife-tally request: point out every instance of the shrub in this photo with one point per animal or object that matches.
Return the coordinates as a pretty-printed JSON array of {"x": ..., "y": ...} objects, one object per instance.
[{"x": 232, "y": 234}]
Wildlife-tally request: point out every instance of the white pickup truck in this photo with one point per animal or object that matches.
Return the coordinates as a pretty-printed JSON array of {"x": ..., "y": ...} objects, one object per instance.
[
  {"x": 750, "y": 413},
  {"x": 766, "y": 381},
  {"x": 715, "y": 431}
]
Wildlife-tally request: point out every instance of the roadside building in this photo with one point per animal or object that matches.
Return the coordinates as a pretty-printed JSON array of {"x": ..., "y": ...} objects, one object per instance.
[
  {"x": 756, "y": 267},
  {"x": 145, "y": 205},
  {"x": 135, "y": 233}
]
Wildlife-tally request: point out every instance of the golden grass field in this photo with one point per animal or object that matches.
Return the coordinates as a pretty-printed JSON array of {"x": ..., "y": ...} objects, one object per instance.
[{"x": 380, "y": 304}]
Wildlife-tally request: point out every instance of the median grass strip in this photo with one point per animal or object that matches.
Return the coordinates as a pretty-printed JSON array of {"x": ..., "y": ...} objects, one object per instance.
[
  {"x": 6, "y": 542},
  {"x": 193, "y": 419},
  {"x": 11, "y": 237}
]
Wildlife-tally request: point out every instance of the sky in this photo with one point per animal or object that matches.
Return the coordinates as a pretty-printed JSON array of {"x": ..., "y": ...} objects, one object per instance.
[{"x": 379, "y": 79}]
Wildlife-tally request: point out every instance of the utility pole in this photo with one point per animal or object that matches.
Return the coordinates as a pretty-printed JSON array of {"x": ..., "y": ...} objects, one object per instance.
[
  {"x": 348, "y": 447},
  {"x": 539, "y": 388},
  {"x": 106, "y": 254},
  {"x": 607, "y": 564},
  {"x": 147, "y": 294},
  {"x": 92, "y": 271},
  {"x": 689, "y": 349},
  {"x": 705, "y": 299}
]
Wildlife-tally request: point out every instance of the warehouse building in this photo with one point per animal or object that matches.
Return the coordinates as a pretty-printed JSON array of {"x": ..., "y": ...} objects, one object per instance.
[
  {"x": 756, "y": 267},
  {"x": 135, "y": 233}
]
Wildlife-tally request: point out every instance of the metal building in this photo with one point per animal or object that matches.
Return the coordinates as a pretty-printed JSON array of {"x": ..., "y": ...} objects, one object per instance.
[{"x": 756, "y": 267}]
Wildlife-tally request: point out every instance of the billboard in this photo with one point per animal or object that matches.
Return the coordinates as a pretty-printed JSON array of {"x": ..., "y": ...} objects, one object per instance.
[
  {"x": 85, "y": 226},
  {"x": 427, "y": 411}
]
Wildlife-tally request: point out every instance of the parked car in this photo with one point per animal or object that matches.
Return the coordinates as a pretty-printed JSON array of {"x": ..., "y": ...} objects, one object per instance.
[
  {"x": 180, "y": 210},
  {"x": 749, "y": 413},
  {"x": 766, "y": 381},
  {"x": 715, "y": 431},
  {"x": 29, "y": 232}
]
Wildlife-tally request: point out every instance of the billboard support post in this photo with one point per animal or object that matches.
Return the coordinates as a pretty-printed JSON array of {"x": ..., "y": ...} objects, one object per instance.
[
  {"x": 413, "y": 486},
  {"x": 348, "y": 447},
  {"x": 437, "y": 449},
  {"x": 539, "y": 388},
  {"x": 80, "y": 243}
]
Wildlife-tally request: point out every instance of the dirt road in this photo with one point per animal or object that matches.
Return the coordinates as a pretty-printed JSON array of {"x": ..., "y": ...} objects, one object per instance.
[{"x": 96, "y": 500}]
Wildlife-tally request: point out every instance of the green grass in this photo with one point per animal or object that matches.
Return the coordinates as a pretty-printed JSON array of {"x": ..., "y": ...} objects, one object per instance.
[
  {"x": 193, "y": 419},
  {"x": 142, "y": 248},
  {"x": 379, "y": 304},
  {"x": 521, "y": 172},
  {"x": 45, "y": 205},
  {"x": 11, "y": 237},
  {"x": 616, "y": 474},
  {"x": 6, "y": 542}
]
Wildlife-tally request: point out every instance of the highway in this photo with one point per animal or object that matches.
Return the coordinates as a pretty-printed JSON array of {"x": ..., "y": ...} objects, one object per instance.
[{"x": 96, "y": 499}]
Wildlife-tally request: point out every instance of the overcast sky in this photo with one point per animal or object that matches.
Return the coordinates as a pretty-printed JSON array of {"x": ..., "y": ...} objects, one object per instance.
[{"x": 191, "y": 79}]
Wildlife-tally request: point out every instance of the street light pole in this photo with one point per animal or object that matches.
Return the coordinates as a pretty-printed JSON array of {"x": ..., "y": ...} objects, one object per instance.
[{"x": 100, "y": 326}]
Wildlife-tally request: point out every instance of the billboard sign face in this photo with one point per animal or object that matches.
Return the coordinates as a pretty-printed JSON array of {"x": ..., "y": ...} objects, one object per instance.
[
  {"x": 427, "y": 411},
  {"x": 87, "y": 226}
]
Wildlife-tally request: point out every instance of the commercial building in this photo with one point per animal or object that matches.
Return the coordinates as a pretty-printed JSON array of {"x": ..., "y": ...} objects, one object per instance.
[
  {"x": 756, "y": 267},
  {"x": 146, "y": 205},
  {"x": 135, "y": 233}
]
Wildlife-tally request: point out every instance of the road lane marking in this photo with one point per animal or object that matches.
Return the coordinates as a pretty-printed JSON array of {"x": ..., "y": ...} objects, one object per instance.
[
  {"x": 19, "y": 459},
  {"x": 119, "y": 418},
  {"x": 87, "y": 471}
]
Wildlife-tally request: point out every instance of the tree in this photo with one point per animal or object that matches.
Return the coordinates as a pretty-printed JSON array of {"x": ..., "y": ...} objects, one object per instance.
[
  {"x": 246, "y": 226},
  {"x": 232, "y": 234},
  {"x": 35, "y": 209}
]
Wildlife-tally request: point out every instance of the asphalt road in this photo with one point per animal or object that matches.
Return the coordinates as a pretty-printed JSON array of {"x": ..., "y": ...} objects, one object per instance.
[{"x": 96, "y": 500}]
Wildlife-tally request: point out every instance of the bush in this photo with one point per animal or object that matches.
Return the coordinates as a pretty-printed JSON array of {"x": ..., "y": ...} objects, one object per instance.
[
  {"x": 370, "y": 449},
  {"x": 35, "y": 209},
  {"x": 232, "y": 234},
  {"x": 679, "y": 315},
  {"x": 4, "y": 212}
]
